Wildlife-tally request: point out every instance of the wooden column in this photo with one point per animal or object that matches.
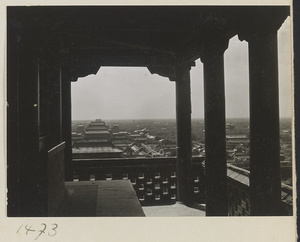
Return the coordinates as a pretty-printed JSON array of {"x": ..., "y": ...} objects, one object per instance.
[
  {"x": 215, "y": 126},
  {"x": 26, "y": 165},
  {"x": 184, "y": 143},
  {"x": 13, "y": 159},
  {"x": 53, "y": 72},
  {"x": 215, "y": 140},
  {"x": 32, "y": 197},
  {"x": 265, "y": 182},
  {"x": 67, "y": 123}
]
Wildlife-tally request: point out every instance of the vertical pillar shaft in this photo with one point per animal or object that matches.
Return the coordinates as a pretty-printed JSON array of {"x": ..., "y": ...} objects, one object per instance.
[
  {"x": 54, "y": 109},
  {"x": 13, "y": 158},
  {"x": 31, "y": 167},
  {"x": 265, "y": 182},
  {"x": 215, "y": 141},
  {"x": 184, "y": 145},
  {"x": 43, "y": 100},
  {"x": 66, "y": 124}
]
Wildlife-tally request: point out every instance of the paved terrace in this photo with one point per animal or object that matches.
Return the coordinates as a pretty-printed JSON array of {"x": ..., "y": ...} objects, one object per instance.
[{"x": 115, "y": 198}]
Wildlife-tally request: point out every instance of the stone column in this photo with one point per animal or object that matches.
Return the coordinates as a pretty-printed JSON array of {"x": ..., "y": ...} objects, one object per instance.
[
  {"x": 215, "y": 128},
  {"x": 184, "y": 143}
]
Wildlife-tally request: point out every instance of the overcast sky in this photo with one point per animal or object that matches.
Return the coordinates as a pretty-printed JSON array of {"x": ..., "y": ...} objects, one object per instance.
[{"x": 134, "y": 93}]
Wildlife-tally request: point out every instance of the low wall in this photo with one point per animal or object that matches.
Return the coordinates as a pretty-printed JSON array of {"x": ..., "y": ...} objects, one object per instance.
[
  {"x": 239, "y": 193},
  {"x": 55, "y": 178},
  {"x": 154, "y": 179}
]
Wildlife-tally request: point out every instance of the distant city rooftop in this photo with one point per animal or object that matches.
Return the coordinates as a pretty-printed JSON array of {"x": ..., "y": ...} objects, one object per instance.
[
  {"x": 97, "y": 132},
  {"x": 96, "y": 150}
]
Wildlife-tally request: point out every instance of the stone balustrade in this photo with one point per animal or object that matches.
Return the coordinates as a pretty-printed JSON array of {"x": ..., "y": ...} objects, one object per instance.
[{"x": 155, "y": 181}]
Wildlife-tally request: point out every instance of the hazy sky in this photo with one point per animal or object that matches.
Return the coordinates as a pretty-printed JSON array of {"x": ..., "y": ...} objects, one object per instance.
[{"x": 134, "y": 93}]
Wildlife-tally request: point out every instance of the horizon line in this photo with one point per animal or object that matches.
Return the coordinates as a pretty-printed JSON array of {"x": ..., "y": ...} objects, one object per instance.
[{"x": 161, "y": 118}]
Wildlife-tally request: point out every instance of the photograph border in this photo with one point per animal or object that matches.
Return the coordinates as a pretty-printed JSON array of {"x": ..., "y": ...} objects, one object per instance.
[{"x": 139, "y": 229}]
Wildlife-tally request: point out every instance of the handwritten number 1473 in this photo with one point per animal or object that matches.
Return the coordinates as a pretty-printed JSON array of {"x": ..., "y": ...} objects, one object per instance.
[{"x": 52, "y": 231}]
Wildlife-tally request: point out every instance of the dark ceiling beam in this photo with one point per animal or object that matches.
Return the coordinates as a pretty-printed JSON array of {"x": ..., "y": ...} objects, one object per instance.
[
  {"x": 126, "y": 57},
  {"x": 129, "y": 61},
  {"x": 85, "y": 67},
  {"x": 132, "y": 36},
  {"x": 157, "y": 43}
]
